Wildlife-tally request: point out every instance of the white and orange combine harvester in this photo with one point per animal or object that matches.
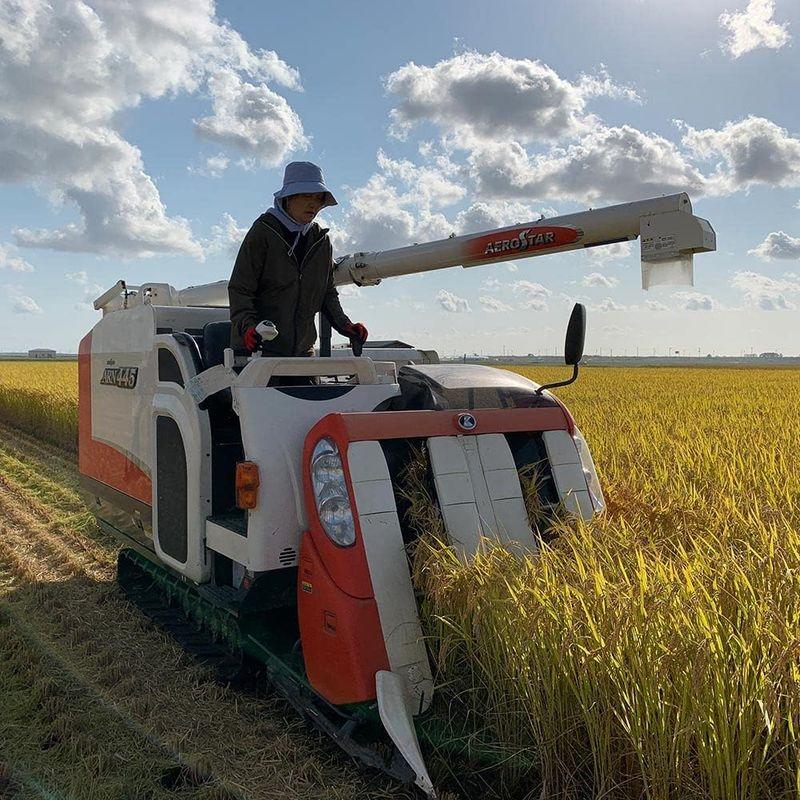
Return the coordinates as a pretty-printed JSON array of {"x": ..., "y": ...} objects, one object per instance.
[{"x": 269, "y": 509}]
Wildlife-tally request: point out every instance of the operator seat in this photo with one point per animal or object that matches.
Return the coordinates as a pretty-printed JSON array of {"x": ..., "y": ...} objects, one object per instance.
[{"x": 216, "y": 337}]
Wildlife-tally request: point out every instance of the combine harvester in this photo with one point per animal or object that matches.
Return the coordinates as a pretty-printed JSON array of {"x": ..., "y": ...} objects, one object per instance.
[{"x": 266, "y": 508}]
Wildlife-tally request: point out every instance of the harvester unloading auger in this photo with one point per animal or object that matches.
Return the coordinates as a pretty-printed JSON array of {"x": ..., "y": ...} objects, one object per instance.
[{"x": 269, "y": 511}]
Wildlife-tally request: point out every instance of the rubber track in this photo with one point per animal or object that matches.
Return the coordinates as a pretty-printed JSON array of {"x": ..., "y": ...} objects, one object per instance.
[{"x": 226, "y": 665}]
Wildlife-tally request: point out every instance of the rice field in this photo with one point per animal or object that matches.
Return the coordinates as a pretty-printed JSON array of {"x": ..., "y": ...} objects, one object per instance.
[
  {"x": 41, "y": 398},
  {"x": 653, "y": 653}
]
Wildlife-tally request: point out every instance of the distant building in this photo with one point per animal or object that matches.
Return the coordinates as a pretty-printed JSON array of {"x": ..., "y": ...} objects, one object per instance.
[
  {"x": 41, "y": 352},
  {"x": 770, "y": 355}
]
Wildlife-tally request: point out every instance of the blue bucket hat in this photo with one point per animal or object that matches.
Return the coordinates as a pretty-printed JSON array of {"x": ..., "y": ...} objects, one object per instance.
[{"x": 303, "y": 177}]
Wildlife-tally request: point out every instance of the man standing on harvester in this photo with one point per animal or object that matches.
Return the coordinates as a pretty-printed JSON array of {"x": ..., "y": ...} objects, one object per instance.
[{"x": 284, "y": 272}]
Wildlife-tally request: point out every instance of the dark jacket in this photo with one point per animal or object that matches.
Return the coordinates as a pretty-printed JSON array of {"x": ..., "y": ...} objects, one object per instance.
[{"x": 268, "y": 283}]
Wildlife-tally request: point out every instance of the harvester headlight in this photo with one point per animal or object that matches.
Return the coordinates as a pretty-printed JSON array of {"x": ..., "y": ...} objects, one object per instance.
[
  {"x": 589, "y": 472},
  {"x": 330, "y": 493}
]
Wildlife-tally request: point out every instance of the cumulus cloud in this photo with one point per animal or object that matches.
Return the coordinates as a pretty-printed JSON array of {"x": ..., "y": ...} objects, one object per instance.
[
  {"x": 251, "y": 118},
  {"x": 212, "y": 167},
  {"x": 483, "y": 97},
  {"x": 777, "y": 245},
  {"x": 655, "y": 305},
  {"x": 380, "y": 216},
  {"x": 69, "y": 70},
  {"x": 491, "y": 284},
  {"x": 695, "y": 301},
  {"x": 595, "y": 279},
  {"x": 609, "y": 252},
  {"x": 608, "y": 304},
  {"x": 601, "y": 84},
  {"x": 91, "y": 291},
  {"x": 486, "y": 96},
  {"x": 81, "y": 277},
  {"x": 349, "y": 291},
  {"x": 753, "y": 28},
  {"x": 485, "y": 215},
  {"x": 753, "y": 151},
  {"x": 399, "y": 204},
  {"x": 615, "y": 164},
  {"x": 23, "y": 304},
  {"x": 497, "y": 108},
  {"x": 430, "y": 185},
  {"x": 492, "y": 106},
  {"x": 493, "y": 304},
  {"x": 531, "y": 295},
  {"x": 451, "y": 302},
  {"x": 765, "y": 293},
  {"x": 10, "y": 260},
  {"x": 226, "y": 236}
]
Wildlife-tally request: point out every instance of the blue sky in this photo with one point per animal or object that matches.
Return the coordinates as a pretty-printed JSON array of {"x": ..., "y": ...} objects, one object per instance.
[{"x": 141, "y": 139}]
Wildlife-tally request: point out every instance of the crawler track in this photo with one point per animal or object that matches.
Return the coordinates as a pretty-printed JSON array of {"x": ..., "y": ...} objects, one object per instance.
[{"x": 104, "y": 703}]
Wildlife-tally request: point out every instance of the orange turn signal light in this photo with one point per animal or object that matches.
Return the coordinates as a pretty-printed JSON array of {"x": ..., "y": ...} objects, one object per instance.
[{"x": 247, "y": 483}]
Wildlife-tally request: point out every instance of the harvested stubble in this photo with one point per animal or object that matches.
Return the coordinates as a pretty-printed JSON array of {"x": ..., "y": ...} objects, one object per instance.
[{"x": 96, "y": 703}]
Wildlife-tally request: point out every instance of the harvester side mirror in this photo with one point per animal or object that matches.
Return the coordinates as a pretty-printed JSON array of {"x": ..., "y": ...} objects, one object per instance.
[
  {"x": 576, "y": 336},
  {"x": 573, "y": 345}
]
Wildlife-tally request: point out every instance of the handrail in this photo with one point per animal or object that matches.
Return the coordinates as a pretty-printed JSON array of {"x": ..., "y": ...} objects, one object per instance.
[{"x": 259, "y": 371}]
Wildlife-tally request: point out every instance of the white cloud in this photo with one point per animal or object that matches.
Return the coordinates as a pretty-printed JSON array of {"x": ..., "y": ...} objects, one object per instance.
[
  {"x": 695, "y": 301},
  {"x": 609, "y": 252},
  {"x": 594, "y": 279},
  {"x": 531, "y": 295},
  {"x": 398, "y": 205},
  {"x": 10, "y": 260},
  {"x": 492, "y": 284},
  {"x": 349, "y": 291},
  {"x": 765, "y": 293},
  {"x": 493, "y": 304},
  {"x": 81, "y": 277},
  {"x": 69, "y": 71},
  {"x": 608, "y": 304},
  {"x": 23, "y": 304},
  {"x": 600, "y": 84},
  {"x": 451, "y": 302},
  {"x": 212, "y": 167},
  {"x": 226, "y": 236},
  {"x": 380, "y": 217},
  {"x": 487, "y": 215},
  {"x": 430, "y": 186},
  {"x": 655, "y": 305},
  {"x": 619, "y": 163},
  {"x": 777, "y": 245},
  {"x": 753, "y": 151},
  {"x": 91, "y": 292},
  {"x": 252, "y": 119},
  {"x": 753, "y": 28},
  {"x": 485, "y": 97}
]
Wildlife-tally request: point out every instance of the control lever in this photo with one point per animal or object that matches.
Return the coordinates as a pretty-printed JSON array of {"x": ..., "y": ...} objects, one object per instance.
[
  {"x": 266, "y": 330},
  {"x": 357, "y": 346}
]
